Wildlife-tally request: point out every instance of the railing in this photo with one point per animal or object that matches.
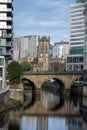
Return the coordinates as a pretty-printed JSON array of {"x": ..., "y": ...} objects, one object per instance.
[
  {"x": 6, "y": 35},
  {"x": 5, "y": 18},
  {"x": 5, "y": 53},
  {"x": 5, "y": 44},
  {"x": 4, "y": 1},
  {"x": 6, "y": 9}
]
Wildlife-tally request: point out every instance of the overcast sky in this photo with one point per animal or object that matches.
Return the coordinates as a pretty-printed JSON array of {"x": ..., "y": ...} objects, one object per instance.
[{"x": 42, "y": 17}]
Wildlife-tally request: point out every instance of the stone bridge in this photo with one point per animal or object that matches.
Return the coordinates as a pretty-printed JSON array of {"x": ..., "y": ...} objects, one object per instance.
[{"x": 67, "y": 78}]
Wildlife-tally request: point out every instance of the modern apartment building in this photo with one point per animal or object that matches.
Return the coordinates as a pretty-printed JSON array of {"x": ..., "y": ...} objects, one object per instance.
[
  {"x": 77, "y": 30},
  {"x": 6, "y": 36},
  {"x": 60, "y": 49},
  {"x": 85, "y": 54}
]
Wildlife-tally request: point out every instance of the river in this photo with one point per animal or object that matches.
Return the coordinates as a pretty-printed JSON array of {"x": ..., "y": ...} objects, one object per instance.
[{"x": 48, "y": 112}]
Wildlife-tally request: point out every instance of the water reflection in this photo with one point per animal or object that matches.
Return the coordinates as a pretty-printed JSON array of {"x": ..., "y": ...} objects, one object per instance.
[
  {"x": 76, "y": 102},
  {"x": 50, "y": 100},
  {"x": 73, "y": 117},
  {"x": 84, "y": 113},
  {"x": 4, "y": 121},
  {"x": 75, "y": 123},
  {"x": 70, "y": 120}
]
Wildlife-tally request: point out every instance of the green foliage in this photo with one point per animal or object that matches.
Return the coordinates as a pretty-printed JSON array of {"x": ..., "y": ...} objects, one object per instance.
[
  {"x": 26, "y": 66},
  {"x": 14, "y": 71},
  {"x": 81, "y": 1}
]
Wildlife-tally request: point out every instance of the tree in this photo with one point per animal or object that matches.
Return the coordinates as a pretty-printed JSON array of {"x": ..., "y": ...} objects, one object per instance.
[
  {"x": 26, "y": 66},
  {"x": 14, "y": 72}
]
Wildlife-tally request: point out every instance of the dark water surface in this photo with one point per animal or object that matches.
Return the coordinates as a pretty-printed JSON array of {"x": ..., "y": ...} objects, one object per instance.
[{"x": 49, "y": 112}]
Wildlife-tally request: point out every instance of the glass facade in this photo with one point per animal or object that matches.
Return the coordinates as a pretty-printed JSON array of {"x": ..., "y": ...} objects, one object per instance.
[{"x": 76, "y": 50}]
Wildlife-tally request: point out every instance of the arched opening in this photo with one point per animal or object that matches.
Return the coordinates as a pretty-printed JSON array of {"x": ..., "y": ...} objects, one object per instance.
[
  {"x": 28, "y": 84},
  {"x": 29, "y": 91},
  {"x": 53, "y": 85},
  {"x": 77, "y": 86}
]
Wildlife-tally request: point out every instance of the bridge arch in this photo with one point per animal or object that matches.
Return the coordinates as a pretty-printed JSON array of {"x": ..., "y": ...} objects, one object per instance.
[
  {"x": 30, "y": 84},
  {"x": 55, "y": 83}
]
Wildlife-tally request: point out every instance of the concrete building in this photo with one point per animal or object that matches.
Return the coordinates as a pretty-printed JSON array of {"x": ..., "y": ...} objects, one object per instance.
[
  {"x": 77, "y": 30},
  {"x": 26, "y": 47},
  {"x": 61, "y": 49},
  {"x": 85, "y": 54},
  {"x": 16, "y": 52},
  {"x": 6, "y": 36}
]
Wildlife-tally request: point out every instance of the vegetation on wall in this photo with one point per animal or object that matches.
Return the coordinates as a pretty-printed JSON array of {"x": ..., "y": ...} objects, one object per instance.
[{"x": 14, "y": 72}]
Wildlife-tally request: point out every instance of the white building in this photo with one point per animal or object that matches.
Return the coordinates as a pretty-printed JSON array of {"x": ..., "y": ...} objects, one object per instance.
[
  {"x": 85, "y": 54},
  {"x": 61, "y": 49},
  {"x": 6, "y": 35},
  {"x": 77, "y": 30}
]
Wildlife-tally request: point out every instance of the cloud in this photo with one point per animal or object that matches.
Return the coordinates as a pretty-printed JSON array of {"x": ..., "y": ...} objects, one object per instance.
[{"x": 51, "y": 15}]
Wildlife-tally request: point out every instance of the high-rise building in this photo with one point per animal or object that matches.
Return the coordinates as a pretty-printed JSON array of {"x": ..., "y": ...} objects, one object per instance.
[
  {"x": 85, "y": 54},
  {"x": 77, "y": 30},
  {"x": 6, "y": 36},
  {"x": 25, "y": 47},
  {"x": 61, "y": 49}
]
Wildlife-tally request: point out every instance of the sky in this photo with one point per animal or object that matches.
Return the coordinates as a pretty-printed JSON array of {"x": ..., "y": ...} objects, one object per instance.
[{"x": 42, "y": 17}]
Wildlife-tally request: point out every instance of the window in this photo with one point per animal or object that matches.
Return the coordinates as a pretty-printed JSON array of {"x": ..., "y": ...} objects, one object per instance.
[
  {"x": 1, "y": 61},
  {"x": 0, "y": 83}
]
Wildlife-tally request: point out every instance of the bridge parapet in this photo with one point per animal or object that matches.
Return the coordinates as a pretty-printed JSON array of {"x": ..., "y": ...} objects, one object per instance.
[{"x": 54, "y": 73}]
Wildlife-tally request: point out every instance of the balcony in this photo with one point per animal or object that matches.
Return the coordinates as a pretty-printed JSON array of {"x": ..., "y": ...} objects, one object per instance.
[
  {"x": 5, "y": 1},
  {"x": 5, "y": 18},
  {"x": 6, "y": 27},
  {"x": 5, "y": 53},
  {"x": 9, "y": 35},
  {"x": 6, "y": 10},
  {"x": 4, "y": 44}
]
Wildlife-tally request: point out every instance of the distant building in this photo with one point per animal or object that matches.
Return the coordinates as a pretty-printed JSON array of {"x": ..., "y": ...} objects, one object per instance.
[
  {"x": 77, "y": 30},
  {"x": 60, "y": 49},
  {"x": 57, "y": 64},
  {"x": 16, "y": 48},
  {"x": 26, "y": 47}
]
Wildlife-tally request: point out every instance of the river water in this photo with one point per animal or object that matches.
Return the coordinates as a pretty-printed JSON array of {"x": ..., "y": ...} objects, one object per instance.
[{"x": 48, "y": 112}]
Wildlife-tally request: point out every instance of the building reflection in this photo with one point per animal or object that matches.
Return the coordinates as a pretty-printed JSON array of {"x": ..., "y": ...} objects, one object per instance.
[
  {"x": 51, "y": 101},
  {"x": 75, "y": 123},
  {"x": 76, "y": 102},
  {"x": 4, "y": 121},
  {"x": 42, "y": 123},
  {"x": 84, "y": 113}
]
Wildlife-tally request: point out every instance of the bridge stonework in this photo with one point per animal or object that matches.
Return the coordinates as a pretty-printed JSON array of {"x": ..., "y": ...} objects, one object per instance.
[{"x": 38, "y": 79}]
